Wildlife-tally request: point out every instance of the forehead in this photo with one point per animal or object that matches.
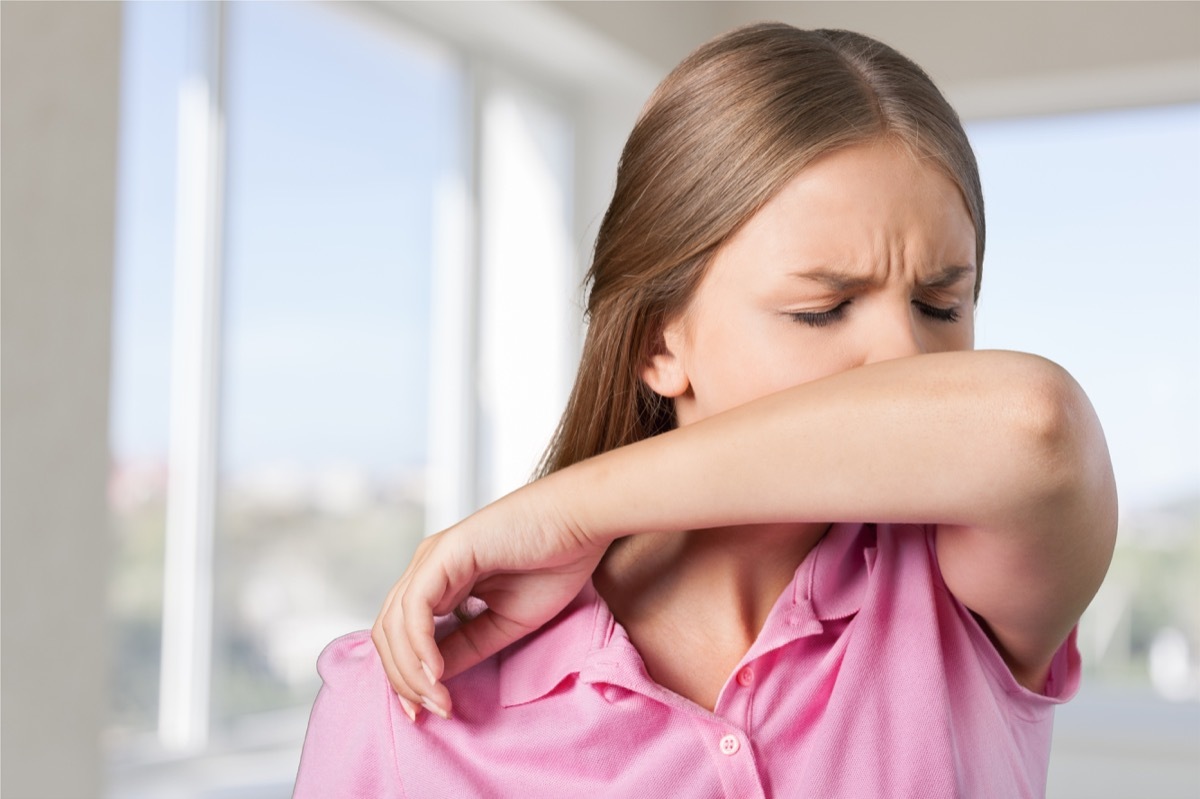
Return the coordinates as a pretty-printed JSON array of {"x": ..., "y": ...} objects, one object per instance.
[{"x": 866, "y": 207}]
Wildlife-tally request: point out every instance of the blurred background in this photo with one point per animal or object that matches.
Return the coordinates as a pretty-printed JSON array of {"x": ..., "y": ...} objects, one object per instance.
[{"x": 288, "y": 285}]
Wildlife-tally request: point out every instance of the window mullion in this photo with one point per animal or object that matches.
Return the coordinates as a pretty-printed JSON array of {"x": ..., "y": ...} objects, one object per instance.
[
  {"x": 453, "y": 446},
  {"x": 195, "y": 376}
]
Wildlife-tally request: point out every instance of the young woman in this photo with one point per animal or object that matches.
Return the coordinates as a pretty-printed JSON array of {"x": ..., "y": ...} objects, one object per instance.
[{"x": 793, "y": 536}]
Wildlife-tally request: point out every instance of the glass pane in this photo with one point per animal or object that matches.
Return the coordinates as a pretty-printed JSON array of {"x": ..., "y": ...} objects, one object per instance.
[
  {"x": 1093, "y": 261},
  {"x": 154, "y": 43},
  {"x": 338, "y": 135}
]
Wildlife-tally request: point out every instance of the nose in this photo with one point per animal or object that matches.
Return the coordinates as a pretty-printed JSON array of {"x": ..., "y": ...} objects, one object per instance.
[{"x": 896, "y": 335}]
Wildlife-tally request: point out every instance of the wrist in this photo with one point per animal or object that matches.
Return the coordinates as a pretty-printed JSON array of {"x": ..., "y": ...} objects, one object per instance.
[{"x": 582, "y": 500}]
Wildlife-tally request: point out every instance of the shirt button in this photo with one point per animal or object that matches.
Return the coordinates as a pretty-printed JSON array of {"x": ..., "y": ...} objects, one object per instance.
[
  {"x": 730, "y": 745},
  {"x": 745, "y": 677}
]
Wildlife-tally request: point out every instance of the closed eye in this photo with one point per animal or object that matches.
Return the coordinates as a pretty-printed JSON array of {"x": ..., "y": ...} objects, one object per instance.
[
  {"x": 934, "y": 312},
  {"x": 821, "y": 318}
]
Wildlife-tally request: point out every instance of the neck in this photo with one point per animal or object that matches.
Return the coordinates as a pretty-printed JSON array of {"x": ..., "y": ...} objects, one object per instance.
[{"x": 705, "y": 592}]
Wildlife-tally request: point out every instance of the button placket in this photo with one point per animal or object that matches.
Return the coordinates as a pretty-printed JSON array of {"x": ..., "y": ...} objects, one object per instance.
[
  {"x": 745, "y": 677},
  {"x": 736, "y": 762}
]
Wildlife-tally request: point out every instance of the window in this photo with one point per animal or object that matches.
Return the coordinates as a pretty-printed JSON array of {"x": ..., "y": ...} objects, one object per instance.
[
  {"x": 1093, "y": 261},
  {"x": 317, "y": 239},
  {"x": 525, "y": 258},
  {"x": 153, "y": 68},
  {"x": 337, "y": 141}
]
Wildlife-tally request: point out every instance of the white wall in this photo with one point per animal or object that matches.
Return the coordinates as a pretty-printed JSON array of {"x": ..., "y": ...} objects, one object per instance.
[
  {"x": 1007, "y": 59},
  {"x": 992, "y": 59},
  {"x": 60, "y": 67}
]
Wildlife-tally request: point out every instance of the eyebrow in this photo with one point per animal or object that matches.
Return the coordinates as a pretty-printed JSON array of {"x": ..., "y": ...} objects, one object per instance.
[
  {"x": 948, "y": 277},
  {"x": 842, "y": 282}
]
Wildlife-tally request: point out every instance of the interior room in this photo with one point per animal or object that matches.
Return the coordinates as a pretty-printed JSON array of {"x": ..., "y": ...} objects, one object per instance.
[{"x": 288, "y": 286}]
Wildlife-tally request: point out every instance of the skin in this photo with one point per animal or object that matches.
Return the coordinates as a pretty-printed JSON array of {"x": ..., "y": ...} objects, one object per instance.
[
  {"x": 769, "y": 315},
  {"x": 822, "y": 373}
]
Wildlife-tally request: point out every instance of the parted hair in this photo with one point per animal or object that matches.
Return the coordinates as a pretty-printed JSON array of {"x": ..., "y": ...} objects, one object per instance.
[{"x": 718, "y": 138}]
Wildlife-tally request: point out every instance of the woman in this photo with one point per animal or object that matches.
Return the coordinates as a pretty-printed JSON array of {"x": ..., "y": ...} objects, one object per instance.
[{"x": 793, "y": 537}]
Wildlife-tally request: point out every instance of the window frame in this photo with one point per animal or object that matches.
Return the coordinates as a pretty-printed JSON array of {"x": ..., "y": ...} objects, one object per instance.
[{"x": 455, "y": 485}]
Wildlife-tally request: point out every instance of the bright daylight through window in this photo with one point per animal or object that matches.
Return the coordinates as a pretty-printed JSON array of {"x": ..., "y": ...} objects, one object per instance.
[
  {"x": 1092, "y": 226},
  {"x": 337, "y": 138}
]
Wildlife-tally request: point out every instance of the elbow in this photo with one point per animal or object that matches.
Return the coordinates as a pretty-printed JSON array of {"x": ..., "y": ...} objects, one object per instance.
[
  {"x": 1051, "y": 416},
  {"x": 1062, "y": 442}
]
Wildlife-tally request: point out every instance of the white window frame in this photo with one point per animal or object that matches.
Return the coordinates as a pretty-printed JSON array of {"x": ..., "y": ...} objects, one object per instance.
[
  {"x": 598, "y": 93},
  {"x": 186, "y": 662}
]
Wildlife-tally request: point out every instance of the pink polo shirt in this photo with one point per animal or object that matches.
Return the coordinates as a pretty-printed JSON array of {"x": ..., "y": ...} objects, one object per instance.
[{"x": 869, "y": 679}]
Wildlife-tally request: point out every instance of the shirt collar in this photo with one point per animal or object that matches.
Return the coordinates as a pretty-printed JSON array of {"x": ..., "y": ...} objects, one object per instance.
[
  {"x": 833, "y": 578},
  {"x": 828, "y": 585},
  {"x": 535, "y": 665}
]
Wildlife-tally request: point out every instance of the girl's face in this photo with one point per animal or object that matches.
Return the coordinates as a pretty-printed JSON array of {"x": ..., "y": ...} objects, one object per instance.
[{"x": 867, "y": 254}]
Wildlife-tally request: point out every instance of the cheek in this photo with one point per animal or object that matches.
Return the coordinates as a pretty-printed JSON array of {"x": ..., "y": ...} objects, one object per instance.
[
  {"x": 957, "y": 337},
  {"x": 967, "y": 337},
  {"x": 738, "y": 372},
  {"x": 820, "y": 360}
]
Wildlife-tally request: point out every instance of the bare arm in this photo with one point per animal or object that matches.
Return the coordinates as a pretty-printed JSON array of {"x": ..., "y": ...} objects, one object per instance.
[{"x": 1001, "y": 449}]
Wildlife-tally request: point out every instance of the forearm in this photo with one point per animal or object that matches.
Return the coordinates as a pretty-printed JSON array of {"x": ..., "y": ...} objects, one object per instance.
[
  {"x": 975, "y": 439},
  {"x": 1001, "y": 449}
]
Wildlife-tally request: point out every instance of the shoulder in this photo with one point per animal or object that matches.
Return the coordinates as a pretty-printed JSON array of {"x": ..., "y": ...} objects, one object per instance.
[
  {"x": 350, "y": 744},
  {"x": 350, "y": 655},
  {"x": 360, "y": 743},
  {"x": 353, "y": 676}
]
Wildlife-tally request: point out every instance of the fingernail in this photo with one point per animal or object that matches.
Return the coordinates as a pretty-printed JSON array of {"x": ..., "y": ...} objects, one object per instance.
[
  {"x": 433, "y": 707},
  {"x": 428, "y": 673},
  {"x": 409, "y": 708}
]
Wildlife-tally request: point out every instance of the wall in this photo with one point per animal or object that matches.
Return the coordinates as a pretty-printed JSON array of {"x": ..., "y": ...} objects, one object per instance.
[
  {"x": 992, "y": 59},
  {"x": 60, "y": 67}
]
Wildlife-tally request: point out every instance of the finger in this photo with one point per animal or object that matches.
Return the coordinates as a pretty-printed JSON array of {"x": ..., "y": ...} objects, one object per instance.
[
  {"x": 407, "y": 700},
  {"x": 409, "y": 696},
  {"x": 379, "y": 638},
  {"x": 415, "y": 649},
  {"x": 387, "y": 631},
  {"x": 415, "y": 685}
]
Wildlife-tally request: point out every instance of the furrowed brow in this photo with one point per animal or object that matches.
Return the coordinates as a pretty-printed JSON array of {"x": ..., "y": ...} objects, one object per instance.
[
  {"x": 843, "y": 282},
  {"x": 837, "y": 281},
  {"x": 948, "y": 277}
]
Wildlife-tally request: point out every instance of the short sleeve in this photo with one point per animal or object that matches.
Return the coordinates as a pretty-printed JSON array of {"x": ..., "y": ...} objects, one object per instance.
[
  {"x": 1062, "y": 680},
  {"x": 1062, "y": 683},
  {"x": 349, "y": 749}
]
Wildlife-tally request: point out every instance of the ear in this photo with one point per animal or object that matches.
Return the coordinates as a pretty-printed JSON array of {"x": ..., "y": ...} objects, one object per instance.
[{"x": 664, "y": 370}]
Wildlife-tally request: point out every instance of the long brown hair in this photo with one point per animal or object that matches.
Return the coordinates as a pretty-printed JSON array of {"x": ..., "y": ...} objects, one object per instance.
[{"x": 726, "y": 129}]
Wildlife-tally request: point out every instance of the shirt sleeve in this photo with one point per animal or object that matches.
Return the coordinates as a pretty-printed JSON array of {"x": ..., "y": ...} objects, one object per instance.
[
  {"x": 349, "y": 749},
  {"x": 1063, "y": 677}
]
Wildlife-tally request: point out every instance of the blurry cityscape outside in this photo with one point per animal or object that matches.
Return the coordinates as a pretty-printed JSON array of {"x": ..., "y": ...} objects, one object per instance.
[
  {"x": 336, "y": 136},
  {"x": 325, "y": 328},
  {"x": 1093, "y": 261}
]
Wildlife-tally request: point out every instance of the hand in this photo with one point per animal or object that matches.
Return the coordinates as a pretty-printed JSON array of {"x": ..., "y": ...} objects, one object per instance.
[{"x": 519, "y": 555}]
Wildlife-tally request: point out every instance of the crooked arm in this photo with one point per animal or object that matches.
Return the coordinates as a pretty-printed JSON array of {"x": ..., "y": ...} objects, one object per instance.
[{"x": 1002, "y": 450}]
